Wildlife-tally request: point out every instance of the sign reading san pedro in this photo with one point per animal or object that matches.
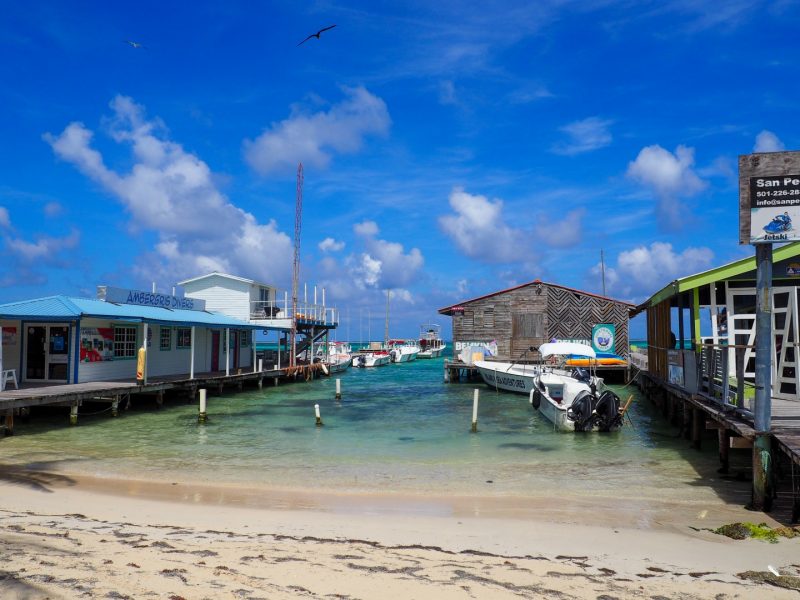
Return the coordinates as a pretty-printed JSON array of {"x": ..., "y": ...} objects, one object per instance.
[{"x": 769, "y": 197}]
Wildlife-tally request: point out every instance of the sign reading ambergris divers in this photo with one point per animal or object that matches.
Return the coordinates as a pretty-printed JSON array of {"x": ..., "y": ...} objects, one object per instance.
[
  {"x": 140, "y": 298},
  {"x": 769, "y": 197}
]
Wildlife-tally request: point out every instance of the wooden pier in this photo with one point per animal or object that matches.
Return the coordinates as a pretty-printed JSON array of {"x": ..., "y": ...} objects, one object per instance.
[
  {"x": 699, "y": 411},
  {"x": 120, "y": 393}
]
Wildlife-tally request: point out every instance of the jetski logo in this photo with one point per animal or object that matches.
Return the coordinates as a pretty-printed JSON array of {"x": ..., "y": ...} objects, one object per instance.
[{"x": 779, "y": 224}]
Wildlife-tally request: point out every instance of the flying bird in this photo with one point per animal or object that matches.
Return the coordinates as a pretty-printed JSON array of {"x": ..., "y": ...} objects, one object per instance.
[
  {"x": 316, "y": 35},
  {"x": 134, "y": 44}
]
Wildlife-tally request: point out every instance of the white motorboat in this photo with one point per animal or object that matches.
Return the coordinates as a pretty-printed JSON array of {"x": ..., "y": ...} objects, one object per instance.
[
  {"x": 430, "y": 343},
  {"x": 337, "y": 355},
  {"x": 371, "y": 358},
  {"x": 576, "y": 401},
  {"x": 508, "y": 376},
  {"x": 402, "y": 350}
]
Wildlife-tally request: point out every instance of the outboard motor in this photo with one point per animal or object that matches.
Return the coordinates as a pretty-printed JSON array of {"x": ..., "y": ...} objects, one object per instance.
[
  {"x": 607, "y": 411},
  {"x": 580, "y": 411},
  {"x": 582, "y": 375}
]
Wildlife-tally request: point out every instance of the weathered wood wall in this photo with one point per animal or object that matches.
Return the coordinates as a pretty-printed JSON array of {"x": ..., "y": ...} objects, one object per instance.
[{"x": 534, "y": 314}]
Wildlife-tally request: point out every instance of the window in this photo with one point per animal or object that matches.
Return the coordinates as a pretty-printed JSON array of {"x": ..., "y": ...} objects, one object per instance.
[
  {"x": 244, "y": 338},
  {"x": 183, "y": 338},
  {"x": 124, "y": 342},
  {"x": 165, "y": 342},
  {"x": 488, "y": 317},
  {"x": 469, "y": 318}
]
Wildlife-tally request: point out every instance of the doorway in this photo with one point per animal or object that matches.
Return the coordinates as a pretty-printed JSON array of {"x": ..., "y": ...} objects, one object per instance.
[
  {"x": 47, "y": 352},
  {"x": 214, "y": 351}
]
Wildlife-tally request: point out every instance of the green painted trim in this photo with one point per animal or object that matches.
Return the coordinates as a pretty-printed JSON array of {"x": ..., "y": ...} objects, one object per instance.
[
  {"x": 722, "y": 273},
  {"x": 696, "y": 313}
]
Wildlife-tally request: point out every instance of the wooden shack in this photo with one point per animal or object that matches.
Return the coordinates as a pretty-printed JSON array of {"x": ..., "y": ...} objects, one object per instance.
[{"x": 510, "y": 321}]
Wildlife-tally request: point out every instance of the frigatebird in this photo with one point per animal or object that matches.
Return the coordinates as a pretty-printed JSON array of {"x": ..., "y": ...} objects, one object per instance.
[{"x": 316, "y": 35}]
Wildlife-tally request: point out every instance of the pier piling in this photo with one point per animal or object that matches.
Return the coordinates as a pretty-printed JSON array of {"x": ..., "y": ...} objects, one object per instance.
[
  {"x": 724, "y": 449},
  {"x": 475, "y": 395},
  {"x": 338, "y": 389},
  {"x": 73, "y": 414},
  {"x": 317, "y": 414},
  {"x": 202, "y": 417},
  {"x": 115, "y": 407},
  {"x": 9, "y": 428}
]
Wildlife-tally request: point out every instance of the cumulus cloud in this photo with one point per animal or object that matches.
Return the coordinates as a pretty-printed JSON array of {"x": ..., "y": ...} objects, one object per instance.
[
  {"x": 766, "y": 141},
  {"x": 171, "y": 191},
  {"x": 366, "y": 228},
  {"x": 644, "y": 270},
  {"x": 670, "y": 176},
  {"x": 314, "y": 137},
  {"x": 584, "y": 136},
  {"x": 53, "y": 209},
  {"x": 330, "y": 245},
  {"x": 479, "y": 229},
  {"x": 384, "y": 264},
  {"x": 45, "y": 249},
  {"x": 561, "y": 233}
]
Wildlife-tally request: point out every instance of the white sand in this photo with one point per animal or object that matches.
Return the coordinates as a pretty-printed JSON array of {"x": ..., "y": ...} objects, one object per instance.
[{"x": 115, "y": 539}]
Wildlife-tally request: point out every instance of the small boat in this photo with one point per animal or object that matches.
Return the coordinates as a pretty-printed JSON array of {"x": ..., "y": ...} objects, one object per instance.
[
  {"x": 576, "y": 401},
  {"x": 337, "y": 355},
  {"x": 431, "y": 344},
  {"x": 402, "y": 350},
  {"x": 508, "y": 376},
  {"x": 371, "y": 358}
]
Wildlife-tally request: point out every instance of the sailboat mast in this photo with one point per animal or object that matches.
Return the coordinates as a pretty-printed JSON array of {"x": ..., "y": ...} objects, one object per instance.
[
  {"x": 603, "y": 271},
  {"x": 386, "y": 330}
]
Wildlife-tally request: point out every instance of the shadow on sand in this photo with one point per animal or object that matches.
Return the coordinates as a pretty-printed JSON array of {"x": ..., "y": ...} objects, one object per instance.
[{"x": 34, "y": 476}]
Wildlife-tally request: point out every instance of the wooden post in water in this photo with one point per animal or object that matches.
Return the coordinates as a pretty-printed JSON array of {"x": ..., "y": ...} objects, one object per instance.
[
  {"x": 9, "y": 430},
  {"x": 338, "y": 389},
  {"x": 202, "y": 417},
  {"x": 724, "y": 448},
  {"x": 762, "y": 411},
  {"x": 698, "y": 424},
  {"x": 115, "y": 407},
  {"x": 475, "y": 395},
  {"x": 317, "y": 415},
  {"x": 73, "y": 414}
]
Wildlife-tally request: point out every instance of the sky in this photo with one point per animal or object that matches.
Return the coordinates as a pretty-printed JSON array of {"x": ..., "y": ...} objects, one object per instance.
[{"x": 449, "y": 149}]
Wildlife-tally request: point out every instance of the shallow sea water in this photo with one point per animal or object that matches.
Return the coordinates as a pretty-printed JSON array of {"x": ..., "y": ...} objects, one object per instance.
[{"x": 397, "y": 428}]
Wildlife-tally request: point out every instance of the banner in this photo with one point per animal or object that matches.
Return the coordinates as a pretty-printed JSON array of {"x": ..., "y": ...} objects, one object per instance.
[
  {"x": 97, "y": 344},
  {"x": 603, "y": 337}
]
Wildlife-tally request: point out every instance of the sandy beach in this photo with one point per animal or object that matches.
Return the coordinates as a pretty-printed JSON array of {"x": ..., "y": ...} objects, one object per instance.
[{"x": 71, "y": 537}]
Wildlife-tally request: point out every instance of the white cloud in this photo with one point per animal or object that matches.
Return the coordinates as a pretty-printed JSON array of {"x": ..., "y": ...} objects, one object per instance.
[
  {"x": 561, "y": 233},
  {"x": 584, "y": 136},
  {"x": 53, "y": 209},
  {"x": 45, "y": 249},
  {"x": 172, "y": 192},
  {"x": 312, "y": 138},
  {"x": 766, "y": 141},
  {"x": 479, "y": 229},
  {"x": 670, "y": 176},
  {"x": 644, "y": 270},
  {"x": 330, "y": 245},
  {"x": 5, "y": 220},
  {"x": 366, "y": 228}
]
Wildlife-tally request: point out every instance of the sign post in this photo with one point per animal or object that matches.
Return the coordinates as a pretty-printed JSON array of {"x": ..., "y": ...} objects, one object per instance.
[{"x": 769, "y": 212}]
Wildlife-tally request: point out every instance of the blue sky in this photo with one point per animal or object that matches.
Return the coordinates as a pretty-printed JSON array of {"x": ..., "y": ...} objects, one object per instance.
[{"x": 450, "y": 149}]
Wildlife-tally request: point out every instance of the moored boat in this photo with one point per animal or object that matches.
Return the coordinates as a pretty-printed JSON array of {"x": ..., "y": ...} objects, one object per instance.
[
  {"x": 371, "y": 358},
  {"x": 577, "y": 400},
  {"x": 402, "y": 350},
  {"x": 431, "y": 344},
  {"x": 337, "y": 355}
]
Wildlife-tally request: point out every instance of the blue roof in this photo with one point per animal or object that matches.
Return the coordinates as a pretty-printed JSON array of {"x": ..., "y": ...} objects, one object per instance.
[{"x": 65, "y": 308}]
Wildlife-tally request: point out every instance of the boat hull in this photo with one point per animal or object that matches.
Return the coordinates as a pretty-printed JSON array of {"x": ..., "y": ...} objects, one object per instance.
[{"x": 508, "y": 377}]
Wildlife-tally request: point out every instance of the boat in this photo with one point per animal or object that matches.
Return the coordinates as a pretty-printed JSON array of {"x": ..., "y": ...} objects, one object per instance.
[
  {"x": 577, "y": 400},
  {"x": 373, "y": 356},
  {"x": 508, "y": 376},
  {"x": 402, "y": 350},
  {"x": 337, "y": 355},
  {"x": 431, "y": 344}
]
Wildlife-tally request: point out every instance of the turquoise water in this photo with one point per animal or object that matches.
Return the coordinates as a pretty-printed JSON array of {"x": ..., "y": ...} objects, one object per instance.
[{"x": 397, "y": 428}]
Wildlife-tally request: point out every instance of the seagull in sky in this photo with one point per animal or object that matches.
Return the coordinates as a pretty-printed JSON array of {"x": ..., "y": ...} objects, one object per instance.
[
  {"x": 316, "y": 35},
  {"x": 134, "y": 44}
]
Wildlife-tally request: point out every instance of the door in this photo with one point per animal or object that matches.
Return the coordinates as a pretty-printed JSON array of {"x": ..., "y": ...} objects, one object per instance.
[
  {"x": 235, "y": 348},
  {"x": 47, "y": 352},
  {"x": 215, "y": 350}
]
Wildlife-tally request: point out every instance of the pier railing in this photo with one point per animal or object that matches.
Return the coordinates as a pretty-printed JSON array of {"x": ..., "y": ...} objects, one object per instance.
[
  {"x": 715, "y": 380},
  {"x": 270, "y": 309}
]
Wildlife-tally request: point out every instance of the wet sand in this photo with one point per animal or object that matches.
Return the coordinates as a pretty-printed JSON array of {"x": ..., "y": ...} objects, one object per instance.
[{"x": 65, "y": 536}]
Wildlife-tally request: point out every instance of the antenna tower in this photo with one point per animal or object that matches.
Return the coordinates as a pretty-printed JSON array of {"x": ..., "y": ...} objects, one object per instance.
[{"x": 298, "y": 217}]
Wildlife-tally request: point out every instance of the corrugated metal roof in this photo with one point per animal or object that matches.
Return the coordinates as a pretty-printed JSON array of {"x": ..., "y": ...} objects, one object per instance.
[{"x": 64, "y": 307}]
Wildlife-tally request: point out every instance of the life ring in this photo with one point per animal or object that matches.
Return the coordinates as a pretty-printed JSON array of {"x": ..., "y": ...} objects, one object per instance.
[{"x": 536, "y": 398}]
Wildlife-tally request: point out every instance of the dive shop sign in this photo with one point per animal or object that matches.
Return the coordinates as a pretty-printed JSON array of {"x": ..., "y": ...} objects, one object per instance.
[{"x": 769, "y": 197}]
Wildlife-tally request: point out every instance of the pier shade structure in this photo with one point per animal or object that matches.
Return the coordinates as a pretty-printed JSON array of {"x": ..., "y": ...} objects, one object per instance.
[
  {"x": 506, "y": 324},
  {"x": 701, "y": 363}
]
